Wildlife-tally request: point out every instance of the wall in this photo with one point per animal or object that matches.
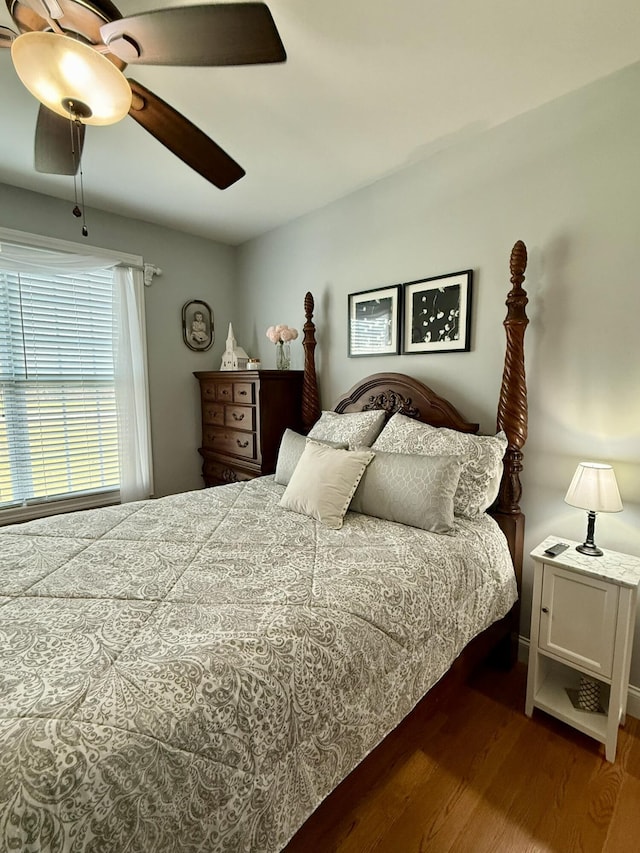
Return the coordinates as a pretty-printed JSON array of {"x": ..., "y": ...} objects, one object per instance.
[
  {"x": 192, "y": 268},
  {"x": 565, "y": 179}
]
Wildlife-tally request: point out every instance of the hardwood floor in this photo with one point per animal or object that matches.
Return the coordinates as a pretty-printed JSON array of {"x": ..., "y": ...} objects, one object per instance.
[{"x": 468, "y": 772}]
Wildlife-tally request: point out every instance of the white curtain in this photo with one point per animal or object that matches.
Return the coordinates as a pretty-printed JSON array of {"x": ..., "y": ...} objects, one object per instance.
[
  {"x": 14, "y": 258},
  {"x": 129, "y": 348},
  {"x": 132, "y": 385}
]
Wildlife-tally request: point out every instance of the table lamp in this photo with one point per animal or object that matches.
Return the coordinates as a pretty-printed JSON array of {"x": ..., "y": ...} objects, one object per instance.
[{"x": 595, "y": 489}]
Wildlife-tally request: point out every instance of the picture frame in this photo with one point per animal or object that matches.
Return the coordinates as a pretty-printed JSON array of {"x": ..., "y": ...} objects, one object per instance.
[
  {"x": 374, "y": 321},
  {"x": 197, "y": 325},
  {"x": 437, "y": 314}
]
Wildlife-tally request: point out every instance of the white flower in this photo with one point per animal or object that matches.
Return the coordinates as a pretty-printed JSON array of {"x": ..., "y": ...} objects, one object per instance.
[
  {"x": 281, "y": 334},
  {"x": 273, "y": 336}
]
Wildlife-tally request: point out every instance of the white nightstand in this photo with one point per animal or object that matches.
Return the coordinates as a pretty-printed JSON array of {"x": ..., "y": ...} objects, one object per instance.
[{"x": 582, "y": 622}]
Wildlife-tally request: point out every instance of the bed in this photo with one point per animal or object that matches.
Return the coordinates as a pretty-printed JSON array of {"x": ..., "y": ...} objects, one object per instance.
[{"x": 198, "y": 672}]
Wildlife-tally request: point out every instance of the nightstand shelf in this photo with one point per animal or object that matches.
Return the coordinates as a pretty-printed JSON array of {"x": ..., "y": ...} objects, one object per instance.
[
  {"x": 583, "y": 617},
  {"x": 552, "y": 697}
]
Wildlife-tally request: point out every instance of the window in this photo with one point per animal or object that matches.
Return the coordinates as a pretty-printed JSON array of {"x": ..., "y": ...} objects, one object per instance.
[{"x": 58, "y": 424}]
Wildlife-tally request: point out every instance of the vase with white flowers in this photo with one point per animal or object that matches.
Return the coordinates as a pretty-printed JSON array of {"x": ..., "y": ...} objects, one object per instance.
[{"x": 281, "y": 335}]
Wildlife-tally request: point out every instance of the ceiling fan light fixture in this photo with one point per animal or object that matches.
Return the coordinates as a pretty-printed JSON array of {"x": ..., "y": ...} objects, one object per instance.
[{"x": 59, "y": 70}]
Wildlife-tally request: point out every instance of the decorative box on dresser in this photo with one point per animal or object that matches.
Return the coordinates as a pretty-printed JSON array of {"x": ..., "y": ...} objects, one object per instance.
[
  {"x": 244, "y": 414},
  {"x": 582, "y": 625}
]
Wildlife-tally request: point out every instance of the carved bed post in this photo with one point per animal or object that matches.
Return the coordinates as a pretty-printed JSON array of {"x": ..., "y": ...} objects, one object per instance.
[
  {"x": 512, "y": 418},
  {"x": 512, "y": 407},
  {"x": 310, "y": 396}
]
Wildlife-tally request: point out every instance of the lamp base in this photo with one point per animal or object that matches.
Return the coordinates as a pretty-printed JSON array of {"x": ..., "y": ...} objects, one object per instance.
[{"x": 590, "y": 550}]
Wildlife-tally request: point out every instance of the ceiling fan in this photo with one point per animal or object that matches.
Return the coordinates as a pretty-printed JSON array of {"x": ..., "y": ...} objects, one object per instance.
[{"x": 71, "y": 54}]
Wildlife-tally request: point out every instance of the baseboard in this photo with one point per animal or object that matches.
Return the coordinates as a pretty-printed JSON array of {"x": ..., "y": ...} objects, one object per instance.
[{"x": 633, "y": 695}]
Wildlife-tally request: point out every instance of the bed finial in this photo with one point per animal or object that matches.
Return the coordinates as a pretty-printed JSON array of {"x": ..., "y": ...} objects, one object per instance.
[
  {"x": 310, "y": 396},
  {"x": 512, "y": 408}
]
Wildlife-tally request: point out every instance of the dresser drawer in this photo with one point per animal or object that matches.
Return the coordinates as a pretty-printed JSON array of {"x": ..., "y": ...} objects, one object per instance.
[
  {"x": 224, "y": 392},
  {"x": 230, "y": 441},
  {"x": 240, "y": 417},
  {"x": 244, "y": 392},
  {"x": 213, "y": 413},
  {"x": 208, "y": 390},
  {"x": 218, "y": 473}
]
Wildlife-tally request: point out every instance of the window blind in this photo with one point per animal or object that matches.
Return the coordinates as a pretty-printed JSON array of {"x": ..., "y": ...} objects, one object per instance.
[{"x": 58, "y": 429}]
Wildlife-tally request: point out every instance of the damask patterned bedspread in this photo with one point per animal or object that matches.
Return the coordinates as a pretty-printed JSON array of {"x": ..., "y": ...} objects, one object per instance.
[{"x": 197, "y": 673}]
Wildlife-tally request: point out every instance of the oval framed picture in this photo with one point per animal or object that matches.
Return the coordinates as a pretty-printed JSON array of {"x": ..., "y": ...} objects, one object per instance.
[{"x": 197, "y": 325}]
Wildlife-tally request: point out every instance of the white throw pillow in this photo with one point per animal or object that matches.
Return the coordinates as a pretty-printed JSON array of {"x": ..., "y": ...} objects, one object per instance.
[{"x": 324, "y": 482}]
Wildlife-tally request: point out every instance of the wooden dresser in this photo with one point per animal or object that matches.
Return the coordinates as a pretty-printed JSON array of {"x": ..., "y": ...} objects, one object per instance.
[{"x": 244, "y": 414}]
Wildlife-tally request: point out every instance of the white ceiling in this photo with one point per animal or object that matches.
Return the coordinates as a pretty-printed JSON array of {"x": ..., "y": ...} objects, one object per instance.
[{"x": 369, "y": 87}]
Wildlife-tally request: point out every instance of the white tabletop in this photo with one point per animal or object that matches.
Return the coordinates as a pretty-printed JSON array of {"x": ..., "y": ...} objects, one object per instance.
[{"x": 623, "y": 569}]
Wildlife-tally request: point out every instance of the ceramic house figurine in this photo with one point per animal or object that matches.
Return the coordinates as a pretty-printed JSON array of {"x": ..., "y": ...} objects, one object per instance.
[{"x": 234, "y": 357}]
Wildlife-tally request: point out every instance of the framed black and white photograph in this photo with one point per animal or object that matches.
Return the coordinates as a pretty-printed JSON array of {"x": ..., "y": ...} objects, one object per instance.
[
  {"x": 437, "y": 314},
  {"x": 197, "y": 325},
  {"x": 374, "y": 321}
]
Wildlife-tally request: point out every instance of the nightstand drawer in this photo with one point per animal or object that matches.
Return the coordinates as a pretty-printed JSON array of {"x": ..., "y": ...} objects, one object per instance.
[
  {"x": 240, "y": 417},
  {"x": 578, "y": 619},
  {"x": 231, "y": 441}
]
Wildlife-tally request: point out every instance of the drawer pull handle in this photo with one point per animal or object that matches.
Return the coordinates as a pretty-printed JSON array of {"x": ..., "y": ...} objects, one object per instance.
[
  {"x": 242, "y": 443},
  {"x": 545, "y": 609},
  {"x": 237, "y": 417},
  {"x": 242, "y": 393}
]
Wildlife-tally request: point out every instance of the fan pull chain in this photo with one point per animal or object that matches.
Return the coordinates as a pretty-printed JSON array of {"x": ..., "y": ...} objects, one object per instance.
[
  {"x": 85, "y": 231},
  {"x": 75, "y": 145}
]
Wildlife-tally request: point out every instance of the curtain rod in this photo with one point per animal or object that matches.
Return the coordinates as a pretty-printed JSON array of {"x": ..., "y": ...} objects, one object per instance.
[{"x": 148, "y": 270}]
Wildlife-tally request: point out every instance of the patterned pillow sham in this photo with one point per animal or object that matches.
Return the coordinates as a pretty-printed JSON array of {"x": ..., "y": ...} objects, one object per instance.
[
  {"x": 357, "y": 429},
  {"x": 480, "y": 457},
  {"x": 324, "y": 481},
  {"x": 413, "y": 490},
  {"x": 291, "y": 449}
]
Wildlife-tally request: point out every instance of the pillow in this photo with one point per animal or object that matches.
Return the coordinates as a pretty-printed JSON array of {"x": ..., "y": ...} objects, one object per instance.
[
  {"x": 357, "y": 429},
  {"x": 413, "y": 490},
  {"x": 493, "y": 487},
  {"x": 480, "y": 456},
  {"x": 324, "y": 481},
  {"x": 291, "y": 449}
]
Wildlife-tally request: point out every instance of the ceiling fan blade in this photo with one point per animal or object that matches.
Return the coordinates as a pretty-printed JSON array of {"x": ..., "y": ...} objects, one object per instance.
[
  {"x": 183, "y": 138},
  {"x": 7, "y": 36},
  {"x": 224, "y": 34},
  {"x": 81, "y": 17},
  {"x": 45, "y": 8},
  {"x": 57, "y": 152}
]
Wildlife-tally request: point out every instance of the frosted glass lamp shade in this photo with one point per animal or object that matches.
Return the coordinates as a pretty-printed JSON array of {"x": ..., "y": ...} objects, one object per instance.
[
  {"x": 594, "y": 487},
  {"x": 59, "y": 71}
]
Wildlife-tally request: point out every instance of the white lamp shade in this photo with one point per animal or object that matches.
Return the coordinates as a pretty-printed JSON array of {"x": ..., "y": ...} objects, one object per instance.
[
  {"x": 594, "y": 487},
  {"x": 56, "y": 69}
]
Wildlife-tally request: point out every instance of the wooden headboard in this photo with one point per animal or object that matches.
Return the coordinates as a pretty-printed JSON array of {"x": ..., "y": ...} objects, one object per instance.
[{"x": 396, "y": 392}]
